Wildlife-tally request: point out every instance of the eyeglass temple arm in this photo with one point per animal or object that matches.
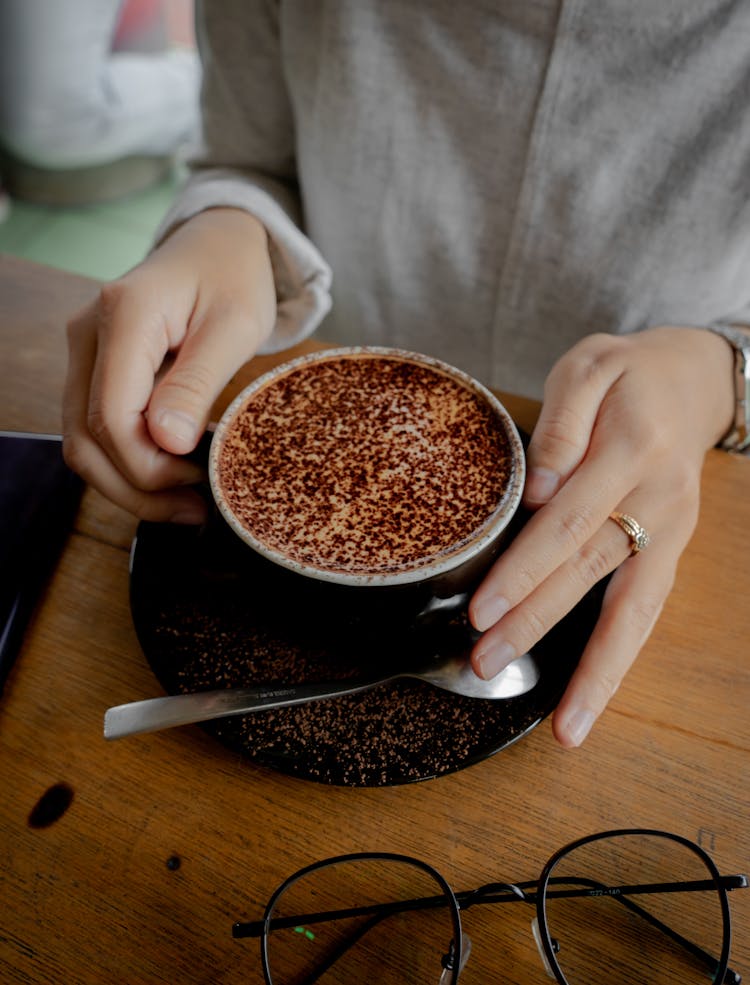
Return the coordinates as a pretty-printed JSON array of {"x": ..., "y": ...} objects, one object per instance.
[
  {"x": 255, "y": 928},
  {"x": 490, "y": 893}
]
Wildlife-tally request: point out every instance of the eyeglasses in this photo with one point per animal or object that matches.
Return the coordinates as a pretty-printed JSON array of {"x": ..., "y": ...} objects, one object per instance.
[{"x": 626, "y": 906}]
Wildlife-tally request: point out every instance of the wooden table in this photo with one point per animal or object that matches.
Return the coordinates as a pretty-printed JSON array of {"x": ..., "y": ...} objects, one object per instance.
[{"x": 94, "y": 897}]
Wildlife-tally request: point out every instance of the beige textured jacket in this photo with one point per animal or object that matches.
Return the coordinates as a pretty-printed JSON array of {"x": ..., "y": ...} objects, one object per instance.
[{"x": 485, "y": 181}]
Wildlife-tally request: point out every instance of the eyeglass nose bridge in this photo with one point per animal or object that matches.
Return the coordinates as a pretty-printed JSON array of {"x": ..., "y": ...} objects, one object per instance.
[{"x": 449, "y": 960}]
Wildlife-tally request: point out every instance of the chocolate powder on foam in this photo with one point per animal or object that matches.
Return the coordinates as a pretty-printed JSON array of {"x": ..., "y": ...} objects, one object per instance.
[{"x": 365, "y": 464}]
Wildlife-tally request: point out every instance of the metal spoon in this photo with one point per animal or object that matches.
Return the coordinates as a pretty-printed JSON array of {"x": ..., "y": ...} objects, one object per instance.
[{"x": 451, "y": 673}]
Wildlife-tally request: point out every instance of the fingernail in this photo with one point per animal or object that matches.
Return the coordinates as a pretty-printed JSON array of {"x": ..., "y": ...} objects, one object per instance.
[
  {"x": 489, "y": 611},
  {"x": 495, "y": 659},
  {"x": 579, "y": 725},
  {"x": 541, "y": 485},
  {"x": 179, "y": 425}
]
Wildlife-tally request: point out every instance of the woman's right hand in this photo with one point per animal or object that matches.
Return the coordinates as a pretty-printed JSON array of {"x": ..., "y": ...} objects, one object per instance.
[{"x": 150, "y": 355}]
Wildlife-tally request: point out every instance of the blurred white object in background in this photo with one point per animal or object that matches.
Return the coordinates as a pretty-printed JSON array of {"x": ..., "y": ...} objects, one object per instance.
[{"x": 90, "y": 84}]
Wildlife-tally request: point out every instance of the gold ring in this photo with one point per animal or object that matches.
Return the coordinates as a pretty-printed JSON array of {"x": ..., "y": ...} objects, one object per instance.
[{"x": 639, "y": 538}]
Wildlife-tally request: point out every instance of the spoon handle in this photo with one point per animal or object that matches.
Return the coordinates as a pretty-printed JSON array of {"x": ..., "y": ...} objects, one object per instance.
[{"x": 154, "y": 714}]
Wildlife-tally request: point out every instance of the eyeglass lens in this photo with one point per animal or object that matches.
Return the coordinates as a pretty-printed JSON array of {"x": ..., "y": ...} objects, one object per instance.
[
  {"x": 633, "y": 936},
  {"x": 388, "y": 945}
]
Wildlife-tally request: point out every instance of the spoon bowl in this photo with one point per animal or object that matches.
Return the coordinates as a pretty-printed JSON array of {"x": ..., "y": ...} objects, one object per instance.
[{"x": 451, "y": 672}]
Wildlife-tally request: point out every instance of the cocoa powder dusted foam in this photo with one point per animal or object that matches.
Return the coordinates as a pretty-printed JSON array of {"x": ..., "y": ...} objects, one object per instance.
[{"x": 365, "y": 463}]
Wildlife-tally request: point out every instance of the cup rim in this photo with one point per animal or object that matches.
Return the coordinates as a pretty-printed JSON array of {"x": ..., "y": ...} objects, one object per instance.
[{"x": 447, "y": 561}]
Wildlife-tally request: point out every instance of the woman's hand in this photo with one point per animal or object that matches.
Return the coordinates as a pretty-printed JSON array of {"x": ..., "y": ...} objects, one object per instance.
[
  {"x": 624, "y": 427},
  {"x": 148, "y": 358}
]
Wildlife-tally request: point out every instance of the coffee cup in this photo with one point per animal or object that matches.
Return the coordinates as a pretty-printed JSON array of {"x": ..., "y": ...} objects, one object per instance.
[{"x": 378, "y": 484}]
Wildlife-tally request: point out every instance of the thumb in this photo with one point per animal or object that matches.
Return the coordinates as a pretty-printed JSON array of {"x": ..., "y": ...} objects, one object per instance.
[
  {"x": 212, "y": 352},
  {"x": 573, "y": 394}
]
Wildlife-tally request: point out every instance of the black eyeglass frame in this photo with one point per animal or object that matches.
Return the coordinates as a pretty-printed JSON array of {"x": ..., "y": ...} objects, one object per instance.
[
  {"x": 379, "y": 911},
  {"x": 722, "y": 884},
  {"x": 509, "y": 892}
]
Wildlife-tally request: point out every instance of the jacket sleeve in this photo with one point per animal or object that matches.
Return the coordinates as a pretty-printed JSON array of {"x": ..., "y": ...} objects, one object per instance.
[{"x": 248, "y": 158}]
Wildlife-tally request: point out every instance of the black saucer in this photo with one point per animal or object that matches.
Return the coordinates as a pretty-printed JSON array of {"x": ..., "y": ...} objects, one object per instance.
[{"x": 209, "y": 613}]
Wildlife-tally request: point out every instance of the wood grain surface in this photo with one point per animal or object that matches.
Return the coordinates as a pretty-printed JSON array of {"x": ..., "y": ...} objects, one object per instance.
[{"x": 169, "y": 838}]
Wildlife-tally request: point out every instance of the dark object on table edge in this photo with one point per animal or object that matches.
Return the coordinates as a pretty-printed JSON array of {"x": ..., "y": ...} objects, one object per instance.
[{"x": 39, "y": 498}]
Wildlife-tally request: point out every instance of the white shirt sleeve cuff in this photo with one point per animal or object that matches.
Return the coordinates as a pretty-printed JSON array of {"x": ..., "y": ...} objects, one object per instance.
[{"x": 302, "y": 277}]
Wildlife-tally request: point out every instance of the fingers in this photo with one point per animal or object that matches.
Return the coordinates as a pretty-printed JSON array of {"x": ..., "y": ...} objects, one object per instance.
[
  {"x": 130, "y": 326},
  {"x": 551, "y": 537},
  {"x": 217, "y": 342},
  {"x": 230, "y": 319},
  {"x": 623, "y": 428},
  {"x": 87, "y": 457},
  {"x": 173, "y": 505},
  {"x": 632, "y": 603},
  {"x": 525, "y": 624},
  {"x": 573, "y": 393},
  {"x": 204, "y": 299},
  {"x": 605, "y": 453}
]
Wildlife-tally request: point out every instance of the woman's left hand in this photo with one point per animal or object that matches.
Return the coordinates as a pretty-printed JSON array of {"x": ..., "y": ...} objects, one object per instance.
[{"x": 624, "y": 427}]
